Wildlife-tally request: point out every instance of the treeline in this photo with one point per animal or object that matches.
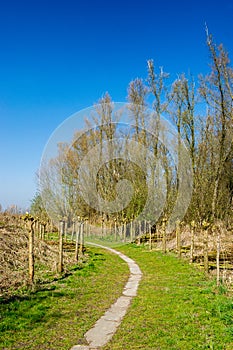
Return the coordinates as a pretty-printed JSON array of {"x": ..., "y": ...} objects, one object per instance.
[{"x": 106, "y": 173}]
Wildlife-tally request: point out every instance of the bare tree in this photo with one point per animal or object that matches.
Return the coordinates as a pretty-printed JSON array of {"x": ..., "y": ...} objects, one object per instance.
[{"x": 216, "y": 88}]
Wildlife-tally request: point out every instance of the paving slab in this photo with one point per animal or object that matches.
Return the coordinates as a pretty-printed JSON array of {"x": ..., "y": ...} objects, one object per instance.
[
  {"x": 80, "y": 347},
  {"x": 107, "y": 325}
]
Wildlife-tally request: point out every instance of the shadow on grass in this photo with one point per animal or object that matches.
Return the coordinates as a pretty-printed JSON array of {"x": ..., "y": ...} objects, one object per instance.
[
  {"x": 36, "y": 304},
  {"x": 30, "y": 291}
]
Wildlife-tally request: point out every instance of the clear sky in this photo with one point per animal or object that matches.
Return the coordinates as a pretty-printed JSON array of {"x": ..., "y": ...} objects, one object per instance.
[{"x": 58, "y": 57}]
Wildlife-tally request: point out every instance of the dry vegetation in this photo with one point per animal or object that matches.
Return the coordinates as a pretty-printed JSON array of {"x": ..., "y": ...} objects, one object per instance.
[
  {"x": 14, "y": 256},
  {"x": 226, "y": 248}
]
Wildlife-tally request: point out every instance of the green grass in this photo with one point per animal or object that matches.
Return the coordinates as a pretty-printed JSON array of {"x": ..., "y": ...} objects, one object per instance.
[
  {"x": 176, "y": 308},
  {"x": 58, "y": 316}
]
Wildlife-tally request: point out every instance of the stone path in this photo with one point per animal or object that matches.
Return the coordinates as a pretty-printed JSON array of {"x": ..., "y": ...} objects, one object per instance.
[{"x": 106, "y": 326}]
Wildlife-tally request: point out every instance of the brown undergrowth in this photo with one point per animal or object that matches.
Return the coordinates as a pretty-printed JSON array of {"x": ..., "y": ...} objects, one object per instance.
[
  {"x": 14, "y": 257},
  {"x": 226, "y": 248}
]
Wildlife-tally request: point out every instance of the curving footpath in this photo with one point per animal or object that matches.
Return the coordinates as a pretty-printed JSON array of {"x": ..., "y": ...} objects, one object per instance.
[{"x": 106, "y": 326}]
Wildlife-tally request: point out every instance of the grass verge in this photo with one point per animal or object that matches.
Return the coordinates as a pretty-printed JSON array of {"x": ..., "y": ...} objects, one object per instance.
[
  {"x": 176, "y": 308},
  {"x": 57, "y": 316}
]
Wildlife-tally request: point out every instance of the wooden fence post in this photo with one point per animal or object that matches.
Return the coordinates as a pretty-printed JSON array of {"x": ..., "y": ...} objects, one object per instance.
[
  {"x": 65, "y": 228},
  {"x": 81, "y": 237},
  {"x": 89, "y": 228},
  {"x": 164, "y": 221},
  {"x": 115, "y": 228},
  {"x": 36, "y": 225},
  {"x": 131, "y": 231},
  {"x": 102, "y": 227},
  {"x": 110, "y": 228},
  {"x": 205, "y": 226},
  {"x": 31, "y": 259},
  {"x": 60, "y": 256},
  {"x": 73, "y": 229},
  {"x": 150, "y": 236},
  {"x": 46, "y": 229},
  {"x": 29, "y": 225},
  {"x": 121, "y": 230},
  {"x": 40, "y": 234},
  {"x": 193, "y": 225},
  {"x": 178, "y": 238},
  {"x": 77, "y": 229},
  {"x": 158, "y": 236},
  {"x": 140, "y": 227},
  {"x": 124, "y": 230},
  {"x": 218, "y": 250},
  {"x": 206, "y": 258},
  {"x": 105, "y": 229},
  {"x": 43, "y": 231}
]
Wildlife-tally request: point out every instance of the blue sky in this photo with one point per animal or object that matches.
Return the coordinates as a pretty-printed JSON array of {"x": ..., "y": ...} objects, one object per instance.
[{"x": 58, "y": 57}]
